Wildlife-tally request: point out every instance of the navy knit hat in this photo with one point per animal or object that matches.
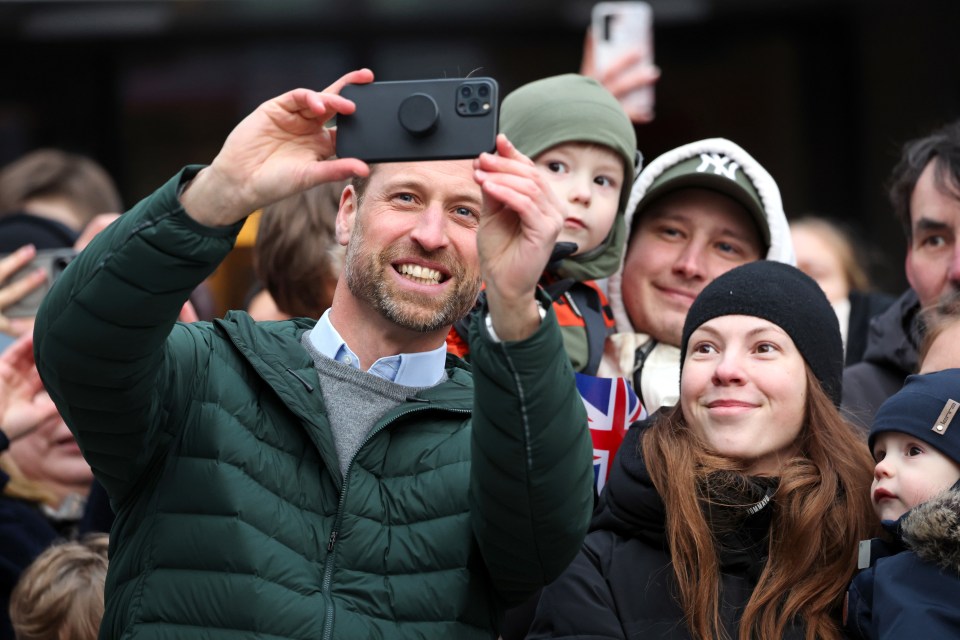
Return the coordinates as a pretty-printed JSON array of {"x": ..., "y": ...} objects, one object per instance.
[
  {"x": 924, "y": 408},
  {"x": 788, "y": 298}
]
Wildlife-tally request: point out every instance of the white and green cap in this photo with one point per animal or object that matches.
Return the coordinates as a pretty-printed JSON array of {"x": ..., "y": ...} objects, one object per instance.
[
  {"x": 716, "y": 172},
  {"x": 720, "y": 165}
]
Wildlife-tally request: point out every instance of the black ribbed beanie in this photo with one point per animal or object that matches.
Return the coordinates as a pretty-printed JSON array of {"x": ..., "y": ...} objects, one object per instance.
[{"x": 788, "y": 298}]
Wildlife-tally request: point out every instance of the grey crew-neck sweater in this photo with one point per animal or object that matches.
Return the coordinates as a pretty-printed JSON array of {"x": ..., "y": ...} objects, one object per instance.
[{"x": 354, "y": 399}]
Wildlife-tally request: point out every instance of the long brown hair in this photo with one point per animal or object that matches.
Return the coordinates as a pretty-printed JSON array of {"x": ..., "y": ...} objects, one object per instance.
[{"x": 821, "y": 510}]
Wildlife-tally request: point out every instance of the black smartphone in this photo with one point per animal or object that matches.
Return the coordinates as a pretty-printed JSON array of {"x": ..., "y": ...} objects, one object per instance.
[
  {"x": 53, "y": 262},
  {"x": 399, "y": 121}
]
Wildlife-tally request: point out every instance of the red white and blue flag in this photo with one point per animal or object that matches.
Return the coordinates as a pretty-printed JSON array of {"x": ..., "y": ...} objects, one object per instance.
[{"x": 612, "y": 406}]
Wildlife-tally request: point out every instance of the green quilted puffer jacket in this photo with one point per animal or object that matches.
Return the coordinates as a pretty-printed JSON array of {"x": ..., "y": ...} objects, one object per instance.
[{"x": 232, "y": 517}]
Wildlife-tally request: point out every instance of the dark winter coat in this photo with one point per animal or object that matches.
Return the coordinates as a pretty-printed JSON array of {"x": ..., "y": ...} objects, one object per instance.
[
  {"x": 890, "y": 356},
  {"x": 915, "y": 591},
  {"x": 864, "y": 307},
  {"x": 622, "y": 584},
  {"x": 24, "y": 533},
  {"x": 233, "y": 518}
]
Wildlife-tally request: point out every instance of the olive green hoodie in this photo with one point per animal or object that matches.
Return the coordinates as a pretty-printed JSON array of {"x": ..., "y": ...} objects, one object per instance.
[{"x": 574, "y": 108}]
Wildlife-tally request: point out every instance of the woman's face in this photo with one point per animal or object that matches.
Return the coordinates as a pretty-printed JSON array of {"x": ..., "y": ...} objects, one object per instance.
[
  {"x": 817, "y": 258},
  {"x": 50, "y": 456},
  {"x": 743, "y": 390}
]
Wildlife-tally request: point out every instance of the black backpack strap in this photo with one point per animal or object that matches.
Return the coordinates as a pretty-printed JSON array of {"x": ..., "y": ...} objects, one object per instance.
[
  {"x": 640, "y": 357},
  {"x": 585, "y": 301},
  {"x": 462, "y": 326},
  {"x": 557, "y": 289},
  {"x": 560, "y": 251}
]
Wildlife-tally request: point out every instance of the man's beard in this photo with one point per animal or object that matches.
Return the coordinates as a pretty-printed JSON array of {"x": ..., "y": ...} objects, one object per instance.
[{"x": 365, "y": 277}]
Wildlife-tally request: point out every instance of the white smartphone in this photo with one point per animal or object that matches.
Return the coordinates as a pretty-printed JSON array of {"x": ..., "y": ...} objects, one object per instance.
[{"x": 618, "y": 28}]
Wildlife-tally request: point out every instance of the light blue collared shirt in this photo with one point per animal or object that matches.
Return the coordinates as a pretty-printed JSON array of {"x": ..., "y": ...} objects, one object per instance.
[{"x": 423, "y": 369}]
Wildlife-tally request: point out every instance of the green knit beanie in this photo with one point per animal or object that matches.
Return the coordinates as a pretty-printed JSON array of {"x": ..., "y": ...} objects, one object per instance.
[{"x": 574, "y": 108}]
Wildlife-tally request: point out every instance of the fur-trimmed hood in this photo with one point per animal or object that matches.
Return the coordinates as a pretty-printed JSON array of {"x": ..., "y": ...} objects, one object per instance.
[
  {"x": 932, "y": 530},
  {"x": 781, "y": 247}
]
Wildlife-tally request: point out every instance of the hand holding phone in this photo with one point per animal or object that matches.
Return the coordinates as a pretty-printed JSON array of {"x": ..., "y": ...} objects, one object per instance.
[
  {"x": 409, "y": 120},
  {"x": 22, "y": 289},
  {"x": 622, "y": 54}
]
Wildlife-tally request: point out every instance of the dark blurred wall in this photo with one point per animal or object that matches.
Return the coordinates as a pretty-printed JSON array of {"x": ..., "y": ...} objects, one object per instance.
[{"x": 823, "y": 93}]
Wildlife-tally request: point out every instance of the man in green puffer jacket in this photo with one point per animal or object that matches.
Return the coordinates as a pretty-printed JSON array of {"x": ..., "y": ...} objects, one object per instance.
[{"x": 336, "y": 478}]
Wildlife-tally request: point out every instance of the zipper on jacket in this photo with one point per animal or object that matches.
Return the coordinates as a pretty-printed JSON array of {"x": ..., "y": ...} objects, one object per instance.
[
  {"x": 338, "y": 519},
  {"x": 306, "y": 385},
  {"x": 573, "y": 305}
]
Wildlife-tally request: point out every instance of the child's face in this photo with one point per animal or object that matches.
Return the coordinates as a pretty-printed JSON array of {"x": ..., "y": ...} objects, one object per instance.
[
  {"x": 587, "y": 178},
  {"x": 908, "y": 472}
]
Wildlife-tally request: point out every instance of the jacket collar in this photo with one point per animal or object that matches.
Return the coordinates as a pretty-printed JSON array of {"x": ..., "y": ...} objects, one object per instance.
[
  {"x": 894, "y": 335},
  {"x": 931, "y": 530},
  {"x": 631, "y": 507},
  {"x": 274, "y": 351}
]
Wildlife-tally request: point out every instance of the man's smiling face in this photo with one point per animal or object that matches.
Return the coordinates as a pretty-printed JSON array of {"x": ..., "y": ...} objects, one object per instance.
[{"x": 412, "y": 251}]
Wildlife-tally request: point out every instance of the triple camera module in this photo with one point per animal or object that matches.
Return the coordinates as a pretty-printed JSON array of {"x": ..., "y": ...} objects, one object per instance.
[{"x": 473, "y": 98}]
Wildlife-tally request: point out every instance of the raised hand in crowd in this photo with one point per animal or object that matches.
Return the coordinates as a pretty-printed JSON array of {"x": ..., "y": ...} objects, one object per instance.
[
  {"x": 13, "y": 292},
  {"x": 24, "y": 404},
  {"x": 278, "y": 150},
  {"x": 624, "y": 75}
]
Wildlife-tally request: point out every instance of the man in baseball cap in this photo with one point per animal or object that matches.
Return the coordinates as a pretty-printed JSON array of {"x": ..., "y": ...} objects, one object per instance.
[{"x": 694, "y": 213}]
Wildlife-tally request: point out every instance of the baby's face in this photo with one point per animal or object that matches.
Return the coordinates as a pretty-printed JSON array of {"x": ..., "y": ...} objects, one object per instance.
[
  {"x": 908, "y": 472},
  {"x": 586, "y": 179}
]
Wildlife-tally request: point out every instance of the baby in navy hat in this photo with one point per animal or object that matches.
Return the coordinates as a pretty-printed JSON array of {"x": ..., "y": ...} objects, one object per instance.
[{"x": 910, "y": 585}]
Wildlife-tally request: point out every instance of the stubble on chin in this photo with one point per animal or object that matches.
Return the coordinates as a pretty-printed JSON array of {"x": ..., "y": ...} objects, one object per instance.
[{"x": 368, "y": 279}]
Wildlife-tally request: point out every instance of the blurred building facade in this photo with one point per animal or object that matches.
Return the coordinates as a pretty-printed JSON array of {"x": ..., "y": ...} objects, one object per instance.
[{"x": 822, "y": 92}]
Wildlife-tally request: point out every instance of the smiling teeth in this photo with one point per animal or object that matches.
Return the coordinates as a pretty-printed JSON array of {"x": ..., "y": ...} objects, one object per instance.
[{"x": 423, "y": 275}]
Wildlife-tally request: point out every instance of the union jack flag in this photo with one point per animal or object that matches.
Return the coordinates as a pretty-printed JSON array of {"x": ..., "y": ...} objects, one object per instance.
[{"x": 612, "y": 406}]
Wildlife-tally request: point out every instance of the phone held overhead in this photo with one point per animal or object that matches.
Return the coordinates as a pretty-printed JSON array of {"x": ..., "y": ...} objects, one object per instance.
[
  {"x": 437, "y": 119},
  {"x": 620, "y": 28}
]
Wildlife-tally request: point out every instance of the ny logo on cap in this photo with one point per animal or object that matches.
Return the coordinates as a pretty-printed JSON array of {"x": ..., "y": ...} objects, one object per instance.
[
  {"x": 946, "y": 416},
  {"x": 722, "y": 165}
]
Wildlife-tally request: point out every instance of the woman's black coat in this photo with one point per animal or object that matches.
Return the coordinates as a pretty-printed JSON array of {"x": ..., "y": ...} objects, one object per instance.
[{"x": 622, "y": 585}]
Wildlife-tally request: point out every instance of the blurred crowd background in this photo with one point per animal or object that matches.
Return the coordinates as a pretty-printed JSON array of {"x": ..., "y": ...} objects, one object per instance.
[{"x": 821, "y": 92}]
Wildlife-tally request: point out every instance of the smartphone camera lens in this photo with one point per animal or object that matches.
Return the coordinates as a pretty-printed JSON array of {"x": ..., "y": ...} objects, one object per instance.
[{"x": 475, "y": 97}]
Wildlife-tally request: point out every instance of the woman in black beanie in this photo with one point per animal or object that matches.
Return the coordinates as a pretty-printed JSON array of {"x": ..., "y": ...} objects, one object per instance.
[{"x": 737, "y": 512}]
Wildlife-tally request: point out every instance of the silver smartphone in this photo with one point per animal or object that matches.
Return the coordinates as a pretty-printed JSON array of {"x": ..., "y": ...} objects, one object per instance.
[{"x": 53, "y": 262}]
